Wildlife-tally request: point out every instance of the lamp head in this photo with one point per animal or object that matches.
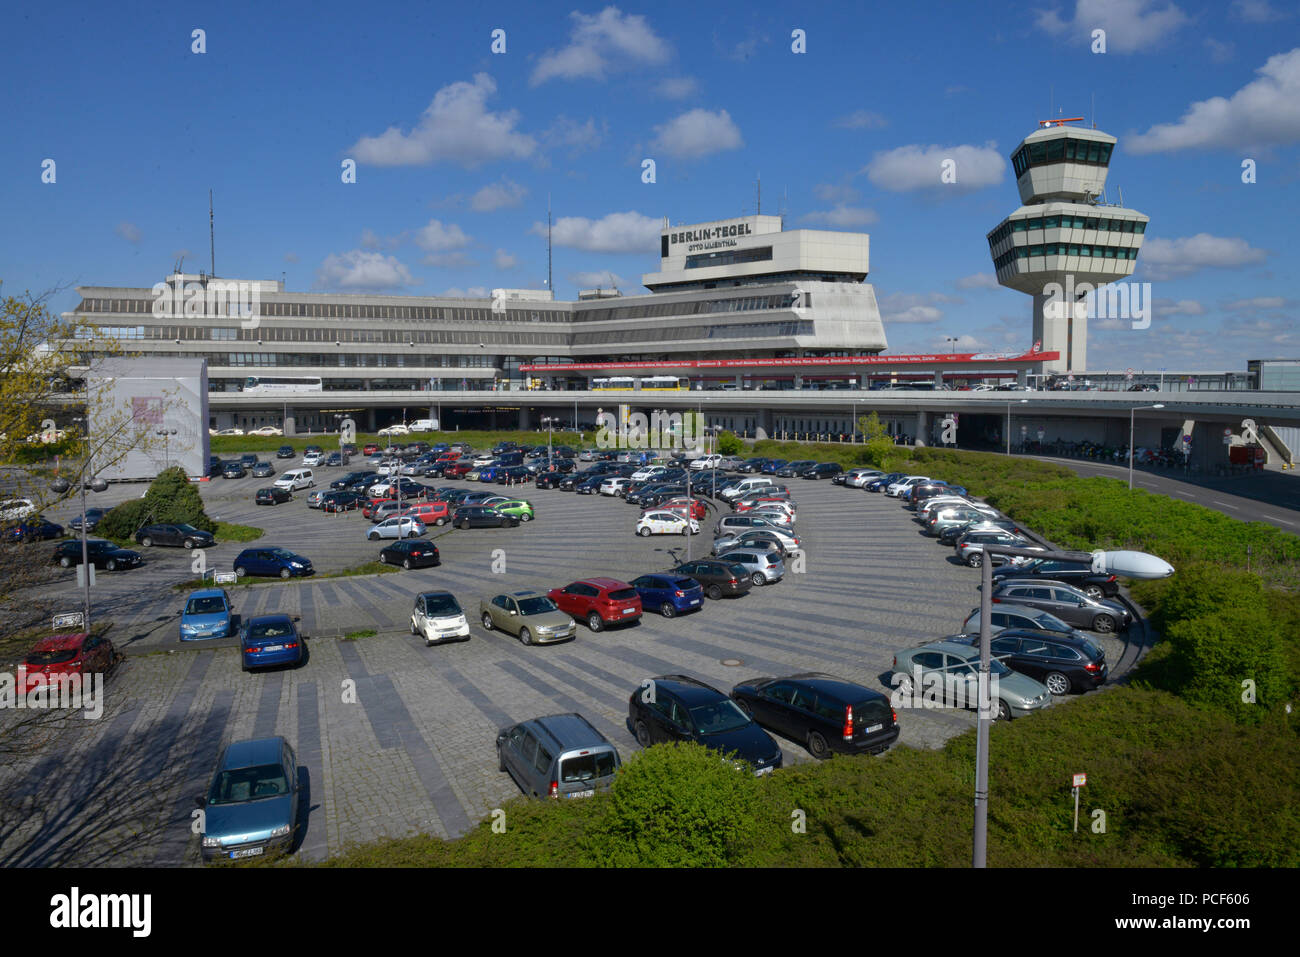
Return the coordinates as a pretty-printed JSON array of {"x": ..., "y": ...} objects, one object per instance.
[{"x": 1129, "y": 564}]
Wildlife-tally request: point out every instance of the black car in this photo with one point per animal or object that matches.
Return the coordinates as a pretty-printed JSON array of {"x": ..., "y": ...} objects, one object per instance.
[
  {"x": 823, "y": 713},
  {"x": 515, "y": 475},
  {"x": 752, "y": 465},
  {"x": 791, "y": 469},
  {"x": 410, "y": 553},
  {"x": 657, "y": 496},
  {"x": 214, "y": 465},
  {"x": 353, "y": 477},
  {"x": 589, "y": 486},
  {"x": 1061, "y": 662},
  {"x": 272, "y": 496},
  {"x": 181, "y": 535},
  {"x": 823, "y": 470},
  {"x": 248, "y": 460},
  {"x": 680, "y": 708},
  {"x": 549, "y": 479},
  {"x": 93, "y": 517},
  {"x": 482, "y": 516},
  {"x": 102, "y": 554},
  {"x": 717, "y": 578},
  {"x": 232, "y": 470},
  {"x": 1078, "y": 574},
  {"x": 335, "y": 459},
  {"x": 342, "y": 500},
  {"x": 285, "y": 452},
  {"x": 33, "y": 528}
]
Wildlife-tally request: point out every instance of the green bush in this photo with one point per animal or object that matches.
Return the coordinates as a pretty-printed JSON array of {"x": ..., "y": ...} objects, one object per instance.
[
  {"x": 1212, "y": 655},
  {"x": 676, "y": 805},
  {"x": 729, "y": 444},
  {"x": 171, "y": 498}
]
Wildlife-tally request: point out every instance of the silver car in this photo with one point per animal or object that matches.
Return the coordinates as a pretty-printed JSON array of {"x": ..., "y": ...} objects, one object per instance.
[
  {"x": 857, "y": 478},
  {"x": 1066, "y": 602},
  {"x": 783, "y": 540},
  {"x": 764, "y": 567},
  {"x": 314, "y": 498},
  {"x": 948, "y": 671},
  {"x": 558, "y": 756},
  {"x": 1019, "y": 616},
  {"x": 396, "y": 528}
]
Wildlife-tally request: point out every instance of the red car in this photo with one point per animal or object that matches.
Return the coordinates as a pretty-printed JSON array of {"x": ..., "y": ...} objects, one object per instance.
[
  {"x": 76, "y": 654},
  {"x": 678, "y": 505},
  {"x": 447, "y": 457},
  {"x": 436, "y": 512},
  {"x": 370, "y": 448},
  {"x": 598, "y": 601},
  {"x": 459, "y": 470}
]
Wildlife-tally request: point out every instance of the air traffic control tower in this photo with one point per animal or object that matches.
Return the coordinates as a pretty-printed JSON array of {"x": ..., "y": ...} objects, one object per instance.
[{"x": 1066, "y": 239}]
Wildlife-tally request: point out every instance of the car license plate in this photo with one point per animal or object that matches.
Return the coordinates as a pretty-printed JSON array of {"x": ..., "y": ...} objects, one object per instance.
[
  {"x": 875, "y": 727},
  {"x": 274, "y": 648},
  {"x": 628, "y": 611},
  {"x": 582, "y": 794},
  {"x": 695, "y": 601},
  {"x": 247, "y": 852}
]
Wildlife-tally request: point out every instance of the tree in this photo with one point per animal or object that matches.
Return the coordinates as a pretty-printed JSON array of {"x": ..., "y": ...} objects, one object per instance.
[
  {"x": 729, "y": 444},
  {"x": 880, "y": 448}
]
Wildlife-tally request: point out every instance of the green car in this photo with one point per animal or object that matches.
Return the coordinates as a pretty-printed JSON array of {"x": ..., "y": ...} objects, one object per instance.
[{"x": 517, "y": 507}]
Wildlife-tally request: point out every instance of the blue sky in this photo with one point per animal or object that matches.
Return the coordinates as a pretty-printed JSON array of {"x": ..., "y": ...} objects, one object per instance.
[{"x": 457, "y": 147}]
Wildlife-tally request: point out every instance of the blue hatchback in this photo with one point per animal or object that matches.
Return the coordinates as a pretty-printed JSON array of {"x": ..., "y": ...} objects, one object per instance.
[
  {"x": 207, "y": 614},
  {"x": 669, "y": 594},
  {"x": 488, "y": 473},
  {"x": 272, "y": 562},
  {"x": 269, "y": 640},
  {"x": 252, "y": 804}
]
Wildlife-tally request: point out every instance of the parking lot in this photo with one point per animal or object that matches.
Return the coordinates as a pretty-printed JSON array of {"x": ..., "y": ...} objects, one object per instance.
[{"x": 398, "y": 738}]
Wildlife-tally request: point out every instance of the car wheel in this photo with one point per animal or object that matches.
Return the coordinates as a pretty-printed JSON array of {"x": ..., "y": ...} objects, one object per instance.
[
  {"x": 1094, "y": 592},
  {"x": 240, "y": 571},
  {"x": 110, "y": 565},
  {"x": 406, "y": 563},
  {"x": 465, "y": 524},
  {"x": 1057, "y": 683},
  {"x": 642, "y": 734},
  {"x": 189, "y": 544},
  {"x": 373, "y": 537},
  {"x": 414, "y": 630},
  {"x": 714, "y": 592},
  {"x": 595, "y": 622},
  {"x": 904, "y": 687},
  {"x": 440, "y": 522},
  {"x": 1103, "y": 624},
  {"x": 667, "y": 610},
  {"x": 1004, "y": 711},
  {"x": 65, "y": 561},
  {"x": 975, "y": 560},
  {"x": 817, "y": 746},
  {"x": 284, "y": 573},
  {"x": 525, "y": 636},
  {"x": 758, "y": 579},
  {"x": 525, "y": 517},
  {"x": 501, "y": 759},
  {"x": 487, "y": 622},
  {"x": 645, "y": 531},
  {"x": 147, "y": 542}
]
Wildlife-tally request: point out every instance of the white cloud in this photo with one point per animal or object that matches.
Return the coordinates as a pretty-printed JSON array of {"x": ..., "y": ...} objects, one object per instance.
[
  {"x": 1254, "y": 304},
  {"x": 742, "y": 50},
  {"x": 921, "y": 167},
  {"x": 1130, "y": 25},
  {"x": 844, "y": 217},
  {"x": 628, "y": 232},
  {"x": 979, "y": 280},
  {"x": 908, "y": 308},
  {"x": 1255, "y": 11},
  {"x": 599, "y": 44},
  {"x": 677, "y": 87},
  {"x": 498, "y": 196},
  {"x": 504, "y": 260},
  {"x": 1220, "y": 52},
  {"x": 437, "y": 237},
  {"x": 1164, "y": 308},
  {"x": 861, "y": 120},
  {"x": 1266, "y": 111},
  {"x": 457, "y": 127},
  {"x": 831, "y": 193},
  {"x": 473, "y": 292},
  {"x": 698, "y": 133},
  {"x": 1170, "y": 258},
  {"x": 577, "y": 136},
  {"x": 362, "y": 270},
  {"x": 128, "y": 231},
  {"x": 598, "y": 280}
]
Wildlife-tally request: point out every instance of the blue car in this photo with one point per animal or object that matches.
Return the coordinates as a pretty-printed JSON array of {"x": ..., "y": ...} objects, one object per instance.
[
  {"x": 32, "y": 529},
  {"x": 269, "y": 640},
  {"x": 488, "y": 473},
  {"x": 251, "y": 807},
  {"x": 272, "y": 562},
  {"x": 208, "y": 614},
  {"x": 882, "y": 483},
  {"x": 669, "y": 594}
]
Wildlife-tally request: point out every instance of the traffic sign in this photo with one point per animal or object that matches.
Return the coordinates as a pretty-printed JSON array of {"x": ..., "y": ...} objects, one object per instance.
[
  {"x": 1227, "y": 431},
  {"x": 225, "y": 578},
  {"x": 1187, "y": 440},
  {"x": 70, "y": 619},
  {"x": 1128, "y": 373},
  {"x": 1080, "y": 780}
]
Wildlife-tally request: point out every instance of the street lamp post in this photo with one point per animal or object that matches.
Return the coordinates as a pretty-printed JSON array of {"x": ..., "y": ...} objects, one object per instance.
[
  {"x": 166, "y": 434},
  {"x": 1158, "y": 405},
  {"x": 1009, "y": 404},
  {"x": 1124, "y": 563},
  {"x": 549, "y": 422},
  {"x": 953, "y": 340}
]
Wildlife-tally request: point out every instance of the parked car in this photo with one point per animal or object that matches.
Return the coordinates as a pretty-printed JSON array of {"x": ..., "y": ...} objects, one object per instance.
[
  {"x": 335, "y": 459},
  {"x": 897, "y": 488},
  {"x": 101, "y": 554},
  {"x": 823, "y": 713},
  {"x": 285, "y": 452},
  {"x": 316, "y": 499},
  {"x": 341, "y": 500},
  {"x": 791, "y": 469},
  {"x": 659, "y": 522},
  {"x": 1018, "y": 616},
  {"x": 33, "y": 528},
  {"x": 557, "y": 756},
  {"x": 263, "y": 470},
  {"x": 773, "y": 466},
  {"x": 686, "y": 709},
  {"x": 267, "y": 430},
  {"x": 823, "y": 470},
  {"x": 949, "y": 670},
  {"x": 232, "y": 470},
  {"x": 208, "y": 613},
  {"x": 744, "y": 523},
  {"x": 410, "y": 553},
  {"x": 955, "y": 532},
  {"x": 269, "y": 640},
  {"x": 1066, "y": 602},
  {"x": 532, "y": 617},
  {"x": 764, "y": 567},
  {"x": 970, "y": 547},
  {"x": 396, "y": 528},
  {"x": 56, "y": 657},
  {"x": 437, "y": 617},
  {"x": 251, "y": 806},
  {"x": 768, "y": 538},
  {"x": 1078, "y": 574},
  {"x": 717, "y": 577},
  {"x": 668, "y": 594},
  {"x": 857, "y": 478},
  {"x": 93, "y": 517},
  {"x": 1061, "y": 662},
  {"x": 598, "y": 601},
  {"x": 430, "y": 513},
  {"x": 882, "y": 483},
  {"x": 272, "y": 496},
  {"x": 295, "y": 479},
  {"x": 178, "y": 534},
  {"x": 270, "y": 561},
  {"x": 482, "y": 516}
]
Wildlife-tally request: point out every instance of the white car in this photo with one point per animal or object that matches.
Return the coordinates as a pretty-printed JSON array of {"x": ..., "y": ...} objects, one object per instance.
[
  {"x": 312, "y": 459},
  {"x": 707, "y": 462},
  {"x": 858, "y": 478},
  {"x": 665, "y": 523},
  {"x": 902, "y": 485},
  {"x": 612, "y": 486},
  {"x": 481, "y": 459},
  {"x": 775, "y": 515},
  {"x": 395, "y": 430},
  {"x": 231, "y": 432},
  {"x": 648, "y": 472},
  {"x": 928, "y": 507},
  {"x": 267, "y": 430},
  {"x": 396, "y": 527},
  {"x": 438, "y": 617},
  {"x": 16, "y": 508}
]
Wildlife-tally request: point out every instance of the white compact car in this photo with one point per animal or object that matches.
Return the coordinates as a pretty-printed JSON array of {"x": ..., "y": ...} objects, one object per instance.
[
  {"x": 16, "y": 508},
  {"x": 438, "y": 617},
  {"x": 396, "y": 527},
  {"x": 313, "y": 459},
  {"x": 665, "y": 523},
  {"x": 902, "y": 485}
]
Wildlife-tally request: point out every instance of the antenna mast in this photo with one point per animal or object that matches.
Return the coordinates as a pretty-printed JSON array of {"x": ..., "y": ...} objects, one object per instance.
[
  {"x": 758, "y": 195},
  {"x": 212, "y": 239},
  {"x": 549, "y": 284}
]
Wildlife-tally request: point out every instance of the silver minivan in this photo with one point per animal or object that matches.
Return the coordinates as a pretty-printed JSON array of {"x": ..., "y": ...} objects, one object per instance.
[
  {"x": 764, "y": 567},
  {"x": 557, "y": 756}
]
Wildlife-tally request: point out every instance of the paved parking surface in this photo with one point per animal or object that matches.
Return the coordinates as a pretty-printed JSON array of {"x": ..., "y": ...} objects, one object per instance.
[{"x": 398, "y": 738}]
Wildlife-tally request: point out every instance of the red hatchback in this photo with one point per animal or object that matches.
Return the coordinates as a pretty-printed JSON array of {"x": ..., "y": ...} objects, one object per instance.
[
  {"x": 57, "y": 655},
  {"x": 370, "y": 448},
  {"x": 598, "y": 601},
  {"x": 436, "y": 512},
  {"x": 678, "y": 505}
]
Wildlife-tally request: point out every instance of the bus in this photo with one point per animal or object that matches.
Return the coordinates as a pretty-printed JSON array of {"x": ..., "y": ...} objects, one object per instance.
[
  {"x": 281, "y": 384},
  {"x": 613, "y": 383},
  {"x": 665, "y": 383},
  {"x": 656, "y": 383}
]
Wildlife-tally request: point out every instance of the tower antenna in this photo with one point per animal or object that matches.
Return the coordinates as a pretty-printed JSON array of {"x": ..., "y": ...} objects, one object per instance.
[
  {"x": 1094, "y": 111},
  {"x": 549, "y": 283},
  {"x": 212, "y": 239},
  {"x": 758, "y": 195}
]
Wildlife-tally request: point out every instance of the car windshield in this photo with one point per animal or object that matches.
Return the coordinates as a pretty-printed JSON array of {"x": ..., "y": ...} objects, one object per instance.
[
  {"x": 536, "y": 606},
  {"x": 718, "y": 717},
  {"x": 210, "y": 605},
  {"x": 248, "y": 784},
  {"x": 283, "y": 553},
  {"x": 441, "y": 605},
  {"x": 42, "y": 658},
  {"x": 189, "y": 529},
  {"x": 272, "y": 629}
]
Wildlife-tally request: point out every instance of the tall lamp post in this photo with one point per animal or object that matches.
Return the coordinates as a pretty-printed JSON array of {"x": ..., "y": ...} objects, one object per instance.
[
  {"x": 550, "y": 422},
  {"x": 1009, "y": 405},
  {"x": 1126, "y": 564},
  {"x": 166, "y": 434},
  {"x": 59, "y": 486},
  {"x": 1158, "y": 405}
]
